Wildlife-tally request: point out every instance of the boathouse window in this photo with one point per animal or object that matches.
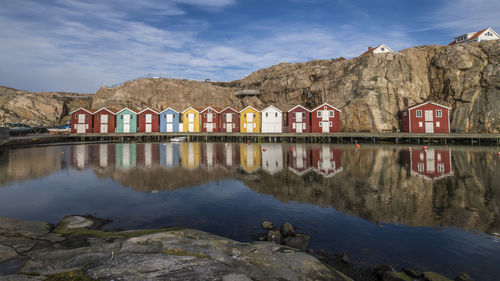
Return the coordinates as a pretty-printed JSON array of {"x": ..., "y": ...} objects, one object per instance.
[
  {"x": 437, "y": 124},
  {"x": 224, "y": 125},
  {"x": 293, "y": 125},
  {"x": 254, "y": 115},
  {"x": 276, "y": 114},
  {"x": 421, "y": 167},
  {"x": 267, "y": 114},
  {"x": 205, "y": 115},
  {"x": 233, "y": 115},
  {"x": 405, "y": 113},
  {"x": 331, "y": 125},
  {"x": 438, "y": 156},
  {"x": 319, "y": 113},
  {"x": 245, "y": 115},
  {"x": 332, "y": 114},
  {"x": 76, "y": 116},
  {"x": 293, "y": 116},
  {"x": 86, "y": 116},
  {"x": 420, "y": 124},
  {"x": 419, "y": 113},
  {"x": 98, "y": 117},
  {"x": 440, "y": 167},
  {"x": 382, "y": 49},
  {"x": 439, "y": 113}
]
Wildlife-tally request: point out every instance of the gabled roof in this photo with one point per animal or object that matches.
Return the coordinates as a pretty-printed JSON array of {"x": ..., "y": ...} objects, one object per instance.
[
  {"x": 370, "y": 49},
  {"x": 149, "y": 108},
  {"x": 307, "y": 109},
  {"x": 254, "y": 108},
  {"x": 128, "y": 108},
  {"x": 216, "y": 109},
  {"x": 474, "y": 36},
  {"x": 233, "y": 109},
  {"x": 108, "y": 109},
  {"x": 272, "y": 106},
  {"x": 423, "y": 103},
  {"x": 170, "y": 109},
  {"x": 91, "y": 111},
  {"x": 324, "y": 105},
  {"x": 197, "y": 109}
]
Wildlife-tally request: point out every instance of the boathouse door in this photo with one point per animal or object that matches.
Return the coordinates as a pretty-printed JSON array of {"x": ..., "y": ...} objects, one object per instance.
[
  {"x": 325, "y": 125},
  {"x": 429, "y": 124},
  {"x": 80, "y": 128},
  {"x": 126, "y": 123},
  {"x": 229, "y": 127},
  {"x": 104, "y": 124},
  {"x": 170, "y": 128},
  {"x": 298, "y": 127},
  {"x": 210, "y": 127},
  {"x": 249, "y": 122},
  {"x": 229, "y": 122}
]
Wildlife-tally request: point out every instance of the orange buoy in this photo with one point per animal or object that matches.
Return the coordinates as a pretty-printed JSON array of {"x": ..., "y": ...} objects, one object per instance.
[
  {"x": 62, "y": 152},
  {"x": 291, "y": 149},
  {"x": 357, "y": 146},
  {"x": 249, "y": 143},
  {"x": 424, "y": 147},
  {"x": 264, "y": 149},
  {"x": 498, "y": 153},
  {"x": 409, "y": 148}
]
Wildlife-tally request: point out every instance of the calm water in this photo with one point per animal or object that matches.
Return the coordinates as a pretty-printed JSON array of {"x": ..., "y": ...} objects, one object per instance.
[{"x": 435, "y": 209}]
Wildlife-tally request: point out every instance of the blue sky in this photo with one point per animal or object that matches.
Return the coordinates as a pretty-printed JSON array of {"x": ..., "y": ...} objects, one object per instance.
[{"x": 70, "y": 45}]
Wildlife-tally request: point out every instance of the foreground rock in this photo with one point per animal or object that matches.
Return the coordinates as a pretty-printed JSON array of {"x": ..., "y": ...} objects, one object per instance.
[{"x": 164, "y": 254}]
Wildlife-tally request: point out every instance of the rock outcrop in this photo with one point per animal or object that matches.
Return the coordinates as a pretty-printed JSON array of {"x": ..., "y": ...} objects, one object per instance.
[
  {"x": 161, "y": 254},
  {"x": 38, "y": 109},
  {"x": 370, "y": 90}
]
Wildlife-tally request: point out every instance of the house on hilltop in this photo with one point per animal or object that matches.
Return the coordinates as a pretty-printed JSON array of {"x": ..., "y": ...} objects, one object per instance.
[
  {"x": 377, "y": 50},
  {"x": 481, "y": 35}
]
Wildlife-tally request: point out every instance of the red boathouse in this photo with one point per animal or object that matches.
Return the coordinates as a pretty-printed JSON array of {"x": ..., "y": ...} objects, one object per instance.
[
  {"x": 325, "y": 118},
  {"x": 105, "y": 120},
  {"x": 427, "y": 117},
  {"x": 431, "y": 164},
  {"x": 299, "y": 120},
  {"x": 229, "y": 120},
  {"x": 148, "y": 120},
  {"x": 81, "y": 121},
  {"x": 210, "y": 119}
]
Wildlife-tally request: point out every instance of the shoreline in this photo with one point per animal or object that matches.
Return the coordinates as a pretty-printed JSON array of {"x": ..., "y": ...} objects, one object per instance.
[
  {"x": 335, "y": 138},
  {"x": 77, "y": 248}
]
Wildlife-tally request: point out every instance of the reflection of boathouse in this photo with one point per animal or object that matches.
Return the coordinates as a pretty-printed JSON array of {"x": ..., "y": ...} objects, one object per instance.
[
  {"x": 272, "y": 157},
  {"x": 169, "y": 155},
  {"x": 190, "y": 155},
  {"x": 326, "y": 160},
  {"x": 250, "y": 157},
  {"x": 432, "y": 164},
  {"x": 80, "y": 156},
  {"x": 126, "y": 155},
  {"x": 209, "y": 155},
  {"x": 231, "y": 155},
  {"x": 103, "y": 155},
  {"x": 147, "y": 155},
  {"x": 299, "y": 159}
]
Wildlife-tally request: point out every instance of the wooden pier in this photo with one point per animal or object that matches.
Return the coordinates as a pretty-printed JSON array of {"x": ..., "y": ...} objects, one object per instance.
[{"x": 397, "y": 138}]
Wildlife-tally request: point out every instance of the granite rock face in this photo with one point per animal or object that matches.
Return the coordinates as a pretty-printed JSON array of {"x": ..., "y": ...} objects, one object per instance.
[{"x": 370, "y": 90}]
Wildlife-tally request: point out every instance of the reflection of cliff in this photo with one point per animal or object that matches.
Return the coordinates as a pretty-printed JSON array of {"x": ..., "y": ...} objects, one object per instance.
[
  {"x": 26, "y": 164},
  {"x": 374, "y": 186},
  {"x": 160, "y": 178}
]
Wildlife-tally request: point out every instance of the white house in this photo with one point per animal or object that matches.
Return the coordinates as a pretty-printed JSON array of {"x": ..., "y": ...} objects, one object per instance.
[
  {"x": 481, "y": 35},
  {"x": 272, "y": 120},
  {"x": 377, "y": 50}
]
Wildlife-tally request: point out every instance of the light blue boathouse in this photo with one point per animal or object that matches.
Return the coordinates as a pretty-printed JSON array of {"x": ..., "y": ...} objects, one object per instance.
[{"x": 169, "y": 120}]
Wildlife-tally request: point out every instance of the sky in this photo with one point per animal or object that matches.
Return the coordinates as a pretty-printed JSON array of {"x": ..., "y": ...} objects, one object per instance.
[{"x": 79, "y": 46}]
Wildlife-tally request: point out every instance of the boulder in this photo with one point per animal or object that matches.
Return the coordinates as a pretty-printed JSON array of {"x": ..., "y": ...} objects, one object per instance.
[
  {"x": 433, "y": 276},
  {"x": 345, "y": 258},
  {"x": 267, "y": 225},
  {"x": 300, "y": 241},
  {"x": 7, "y": 253},
  {"x": 413, "y": 272},
  {"x": 274, "y": 236},
  {"x": 379, "y": 270},
  {"x": 287, "y": 229},
  {"x": 463, "y": 277},
  {"x": 395, "y": 276}
]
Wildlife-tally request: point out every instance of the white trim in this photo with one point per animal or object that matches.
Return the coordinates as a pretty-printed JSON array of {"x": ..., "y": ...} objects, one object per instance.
[
  {"x": 314, "y": 109},
  {"x": 272, "y": 106},
  {"x": 436, "y": 104},
  {"x": 382, "y": 45},
  {"x": 81, "y": 108},
  {"x": 249, "y": 106},
  {"x": 126, "y": 108},
  {"x": 230, "y": 108},
  {"x": 293, "y": 108},
  {"x": 148, "y": 108},
  {"x": 449, "y": 127},
  {"x": 190, "y": 108},
  {"x": 103, "y": 108},
  {"x": 168, "y": 109},
  {"x": 210, "y": 108}
]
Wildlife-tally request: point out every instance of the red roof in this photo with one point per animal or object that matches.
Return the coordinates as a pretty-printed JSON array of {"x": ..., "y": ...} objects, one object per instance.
[
  {"x": 472, "y": 37},
  {"x": 422, "y": 103},
  {"x": 370, "y": 49},
  {"x": 112, "y": 110}
]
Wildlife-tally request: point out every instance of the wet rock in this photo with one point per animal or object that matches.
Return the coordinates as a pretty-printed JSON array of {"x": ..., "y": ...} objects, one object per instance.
[
  {"x": 74, "y": 222},
  {"x": 259, "y": 236},
  {"x": 433, "y": 276},
  {"x": 395, "y": 276},
  {"x": 379, "y": 270},
  {"x": 463, "y": 277},
  {"x": 274, "y": 236},
  {"x": 7, "y": 253},
  {"x": 345, "y": 258},
  {"x": 235, "y": 277},
  {"x": 413, "y": 272},
  {"x": 20, "y": 277},
  {"x": 20, "y": 244},
  {"x": 29, "y": 229},
  {"x": 267, "y": 225},
  {"x": 287, "y": 230},
  {"x": 300, "y": 241}
]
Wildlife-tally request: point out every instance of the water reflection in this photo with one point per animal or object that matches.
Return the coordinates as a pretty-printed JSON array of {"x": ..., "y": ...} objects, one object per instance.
[{"x": 413, "y": 186}]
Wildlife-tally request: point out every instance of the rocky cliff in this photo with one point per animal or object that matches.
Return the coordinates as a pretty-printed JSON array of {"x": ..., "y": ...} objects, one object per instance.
[
  {"x": 370, "y": 90},
  {"x": 38, "y": 109}
]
